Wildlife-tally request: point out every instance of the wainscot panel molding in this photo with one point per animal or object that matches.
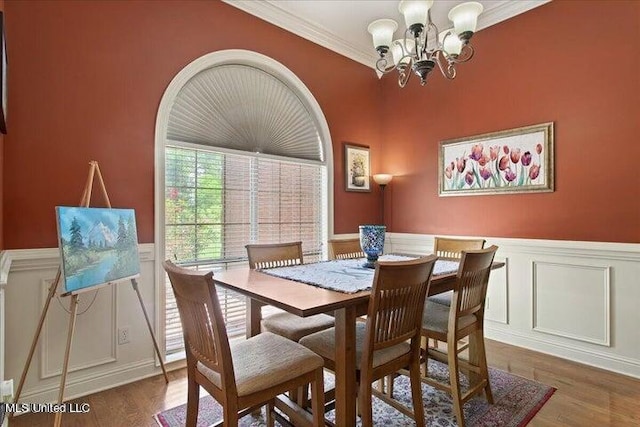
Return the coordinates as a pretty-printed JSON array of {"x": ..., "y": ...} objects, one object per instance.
[
  {"x": 97, "y": 361},
  {"x": 575, "y": 300},
  {"x": 609, "y": 270}
]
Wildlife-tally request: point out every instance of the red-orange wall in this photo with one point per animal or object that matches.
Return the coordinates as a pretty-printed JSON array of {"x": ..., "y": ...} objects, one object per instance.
[
  {"x": 575, "y": 63},
  {"x": 86, "y": 79}
]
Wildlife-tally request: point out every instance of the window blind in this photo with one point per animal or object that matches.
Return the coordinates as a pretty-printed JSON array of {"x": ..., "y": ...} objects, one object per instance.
[{"x": 217, "y": 202}]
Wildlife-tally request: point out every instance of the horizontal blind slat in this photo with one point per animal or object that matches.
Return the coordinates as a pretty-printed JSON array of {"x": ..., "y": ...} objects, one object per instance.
[{"x": 217, "y": 202}]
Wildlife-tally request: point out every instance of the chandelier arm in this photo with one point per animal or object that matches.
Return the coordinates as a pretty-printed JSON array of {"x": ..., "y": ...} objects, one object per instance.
[
  {"x": 413, "y": 53},
  {"x": 449, "y": 72},
  {"x": 465, "y": 55},
  {"x": 403, "y": 75},
  {"x": 382, "y": 65}
]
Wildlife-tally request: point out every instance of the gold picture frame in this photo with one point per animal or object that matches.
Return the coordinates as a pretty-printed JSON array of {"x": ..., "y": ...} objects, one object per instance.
[{"x": 511, "y": 161}]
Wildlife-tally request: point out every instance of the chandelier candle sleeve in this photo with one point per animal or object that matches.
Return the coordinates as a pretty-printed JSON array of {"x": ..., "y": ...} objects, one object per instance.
[{"x": 423, "y": 46}]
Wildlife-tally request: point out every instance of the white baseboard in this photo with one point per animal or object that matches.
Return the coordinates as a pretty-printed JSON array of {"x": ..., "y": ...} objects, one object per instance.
[{"x": 609, "y": 362}]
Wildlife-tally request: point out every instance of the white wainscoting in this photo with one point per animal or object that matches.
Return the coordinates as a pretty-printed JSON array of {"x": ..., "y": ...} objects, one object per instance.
[
  {"x": 575, "y": 300},
  {"x": 97, "y": 362}
]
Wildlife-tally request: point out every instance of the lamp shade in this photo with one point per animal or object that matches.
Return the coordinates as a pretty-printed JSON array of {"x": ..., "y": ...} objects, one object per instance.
[
  {"x": 451, "y": 43},
  {"x": 415, "y": 11},
  {"x": 400, "y": 51},
  {"x": 382, "y": 31},
  {"x": 382, "y": 178},
  {"x": 465, "y": 17}
]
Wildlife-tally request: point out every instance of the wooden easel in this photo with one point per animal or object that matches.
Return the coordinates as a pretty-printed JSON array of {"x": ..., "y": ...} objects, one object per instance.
[{"x": 94, "y": 170}]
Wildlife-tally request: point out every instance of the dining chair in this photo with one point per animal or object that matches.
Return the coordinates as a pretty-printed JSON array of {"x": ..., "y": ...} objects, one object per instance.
[
  {"x": 285, "y": 324},
  {"x": 247, "y": 375},
  {"x": 345, "y": 249},
  {"x": 390, "y": 338},
  {"x": 451, "y": 249},
  {"x": 464, "y": 318}
]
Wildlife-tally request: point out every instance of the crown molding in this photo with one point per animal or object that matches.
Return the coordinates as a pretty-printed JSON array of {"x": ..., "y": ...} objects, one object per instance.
[
  {"x": 274, "y": 14},
  {"x": 278, "y": 16},
  {"x": 506, "y": 11}
]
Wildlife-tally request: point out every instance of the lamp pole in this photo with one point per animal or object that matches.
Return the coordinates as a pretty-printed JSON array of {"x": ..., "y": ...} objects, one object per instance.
[
  {"x": 382, "y": 192},
  {"x": 382, "y": 179}
]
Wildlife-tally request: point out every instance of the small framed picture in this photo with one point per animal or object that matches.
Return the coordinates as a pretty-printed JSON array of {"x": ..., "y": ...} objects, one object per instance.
[{"x": 356, "y": 167}]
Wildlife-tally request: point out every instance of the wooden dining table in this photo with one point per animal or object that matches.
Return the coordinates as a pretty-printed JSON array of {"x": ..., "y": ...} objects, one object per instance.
[{"x": 306, "y": 300}]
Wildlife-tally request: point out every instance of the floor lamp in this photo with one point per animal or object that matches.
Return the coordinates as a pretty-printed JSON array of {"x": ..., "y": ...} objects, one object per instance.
[{"x": 382, "y": 179}]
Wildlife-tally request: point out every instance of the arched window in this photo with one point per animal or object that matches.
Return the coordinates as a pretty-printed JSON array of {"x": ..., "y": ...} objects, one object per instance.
[{"x": 243, "y": 155}]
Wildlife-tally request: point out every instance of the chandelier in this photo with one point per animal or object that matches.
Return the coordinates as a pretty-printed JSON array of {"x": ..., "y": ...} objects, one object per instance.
[{"x": 423, "y": 46}]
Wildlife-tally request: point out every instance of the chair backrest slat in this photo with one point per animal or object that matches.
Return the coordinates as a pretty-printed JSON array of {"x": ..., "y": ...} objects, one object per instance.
[
  {"x": 472, "y": 281},
  {"x": 345, "y": 249},
  {"x": 203, "y": 328},
  {"x": 450, "y": 248},
  {"x": 397, "y": 302},
  {"x": 274, "y": 255}
]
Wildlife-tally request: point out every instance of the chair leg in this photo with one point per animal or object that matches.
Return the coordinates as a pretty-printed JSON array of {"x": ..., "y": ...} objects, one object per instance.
[
  {"x": 270, "y": 417},
  {"x": 455, "y": 384},
  {"x": 424, "y": 349},
  {"x": 482, "y": 363},
  {"x": 303, "y": 396},
  {"x": 230, "y": 414},
  {"x": 193, "y": 399},
  {"x": 317, "y": 398},
  {"x": 366, "y": 412},
  {"x": 424, "y": 366},
  {"x": 416, "y": 393},
  {"x": 389, "y": 388}
]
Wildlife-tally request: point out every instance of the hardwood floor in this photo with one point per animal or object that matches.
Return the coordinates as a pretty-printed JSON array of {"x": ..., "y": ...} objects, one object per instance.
[{"x": 586, "y": 396}]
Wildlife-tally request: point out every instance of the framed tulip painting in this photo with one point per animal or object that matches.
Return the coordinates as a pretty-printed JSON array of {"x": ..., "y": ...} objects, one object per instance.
[{"x": 510, "y": 161}]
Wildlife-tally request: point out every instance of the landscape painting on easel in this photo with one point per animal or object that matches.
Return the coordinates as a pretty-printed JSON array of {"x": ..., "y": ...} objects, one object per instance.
[{"x": 97, "y": 245}]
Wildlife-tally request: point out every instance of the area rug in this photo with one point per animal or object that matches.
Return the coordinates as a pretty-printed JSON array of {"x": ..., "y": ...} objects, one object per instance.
[{"x": 516, "y": 401}]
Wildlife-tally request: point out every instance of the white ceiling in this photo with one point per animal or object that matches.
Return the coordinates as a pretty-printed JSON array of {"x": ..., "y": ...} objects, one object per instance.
[{"x": 341, "y": 25}]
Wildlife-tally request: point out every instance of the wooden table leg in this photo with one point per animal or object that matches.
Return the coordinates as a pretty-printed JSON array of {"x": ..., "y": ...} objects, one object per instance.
[
  {"x": 346, "y": 367},
  {"x": 254, "y": 316}
]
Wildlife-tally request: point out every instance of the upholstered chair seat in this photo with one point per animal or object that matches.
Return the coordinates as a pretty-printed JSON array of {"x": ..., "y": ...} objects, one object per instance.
[
  {"x": 436, "y": 318},
  {"x": 323, "y": 343},
  {"x": 295, "y": 327},
  {"x": 265, "y": 360}
]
